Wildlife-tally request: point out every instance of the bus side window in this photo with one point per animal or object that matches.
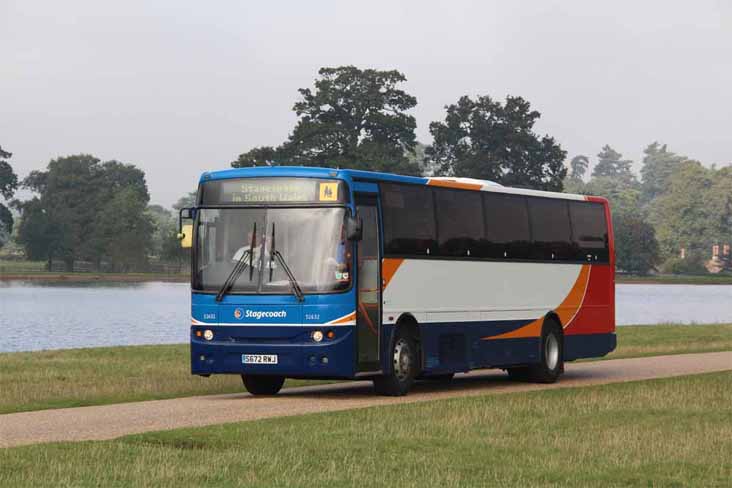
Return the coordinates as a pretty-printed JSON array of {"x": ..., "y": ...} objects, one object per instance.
[
  {"x": 589, "y": 231},
  {"x": 550, "y": 230},
  {"x": 459, "y": 222},
  {"x": 507, "y": 233},
  {"x": 408, "y": 219}
]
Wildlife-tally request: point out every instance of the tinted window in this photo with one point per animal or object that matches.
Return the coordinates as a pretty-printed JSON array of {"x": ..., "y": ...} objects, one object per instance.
[
  {"x": 550, "y": 229},
  {"x": 409, "y": 220},
  {"x": 589, "y": 231},
  {"x": 459, "y": 222},
  {"x": 506, "y": 226}
]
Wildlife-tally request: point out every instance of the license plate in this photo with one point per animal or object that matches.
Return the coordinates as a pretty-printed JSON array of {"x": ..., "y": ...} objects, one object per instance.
[{"x": 259, "y": 358}]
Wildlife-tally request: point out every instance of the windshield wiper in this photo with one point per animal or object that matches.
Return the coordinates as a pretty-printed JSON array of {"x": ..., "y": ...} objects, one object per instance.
[
  {"x": 274, "y": 253},
  {"x": 239, "y": 267}
]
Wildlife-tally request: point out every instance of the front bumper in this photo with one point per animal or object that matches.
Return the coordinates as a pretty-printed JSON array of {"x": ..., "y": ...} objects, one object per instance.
[{"x": 297, "y": 354}]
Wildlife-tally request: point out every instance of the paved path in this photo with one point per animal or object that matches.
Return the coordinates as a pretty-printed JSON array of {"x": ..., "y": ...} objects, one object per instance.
[{"x": 110, "y": 421}]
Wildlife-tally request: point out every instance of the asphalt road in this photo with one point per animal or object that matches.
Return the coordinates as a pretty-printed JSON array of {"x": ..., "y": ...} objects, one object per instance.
[{"x": 110, "y": 421}]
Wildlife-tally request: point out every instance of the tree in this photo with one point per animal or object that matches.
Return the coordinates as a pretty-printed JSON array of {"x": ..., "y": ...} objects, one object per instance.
[
  {"x": 682, "y": 215},
  {"x": 578, "y": 167},
  {"x": 658, "y": 165},
  {"x": 485, "y": 139},
  {"x": 260, "y": 156},
  {"x": 354, "y": 118},
  {"x": 125, "y": 229},
  {"x": 186, "y": 201},
  {"x": 636, "y": 247},
  {"x": 610, "y": 164},
  {"x": 72, "y": 193},
  {"x": 8, "y": 185},
  {"x": 161, "y": 218}
]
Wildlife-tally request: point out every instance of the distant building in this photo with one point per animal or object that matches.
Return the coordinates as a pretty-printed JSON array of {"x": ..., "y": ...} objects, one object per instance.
[{"x": 720, "y": 261}]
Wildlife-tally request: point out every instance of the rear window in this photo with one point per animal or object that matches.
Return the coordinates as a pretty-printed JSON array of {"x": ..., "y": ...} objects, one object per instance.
[{"x": 589, "y": 228}]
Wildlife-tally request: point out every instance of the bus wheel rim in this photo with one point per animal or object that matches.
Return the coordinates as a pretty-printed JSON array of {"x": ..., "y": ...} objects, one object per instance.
[
  {"x": 402, "y": 360},
  {"x": 551, "y": 351}
]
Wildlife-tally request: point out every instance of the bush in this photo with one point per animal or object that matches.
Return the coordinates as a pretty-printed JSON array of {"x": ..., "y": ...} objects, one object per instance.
[{"x": 692, "y": 264}]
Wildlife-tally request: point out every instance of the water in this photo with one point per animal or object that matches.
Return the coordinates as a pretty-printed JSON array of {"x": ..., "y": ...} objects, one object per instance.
[{"x": 37, "y": 315}]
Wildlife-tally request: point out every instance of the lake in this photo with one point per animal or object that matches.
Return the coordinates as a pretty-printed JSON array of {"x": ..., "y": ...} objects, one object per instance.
[{"x": 37, "y": 315}]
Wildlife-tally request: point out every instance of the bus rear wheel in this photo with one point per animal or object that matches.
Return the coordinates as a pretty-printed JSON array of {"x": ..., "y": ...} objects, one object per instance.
[
  {"x": 405, "y": 363},
  {"x": 551, "y": 362},
  {"x": 551, "y": 365},
  {"x": 262, "y": 385}
]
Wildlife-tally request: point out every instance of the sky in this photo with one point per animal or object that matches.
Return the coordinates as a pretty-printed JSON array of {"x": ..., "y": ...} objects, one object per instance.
[{"x": 181, "y": 87}]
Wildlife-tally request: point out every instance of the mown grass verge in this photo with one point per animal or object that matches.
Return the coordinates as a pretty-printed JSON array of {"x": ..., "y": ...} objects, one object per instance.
[
  {"x": 670, "y": 432},
  {"x": 708, "y": 279},
  {"x": 79, "y": 377}
]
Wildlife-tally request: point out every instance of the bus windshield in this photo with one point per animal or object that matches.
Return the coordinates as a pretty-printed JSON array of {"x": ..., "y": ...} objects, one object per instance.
[{"x": 310, "y": 241}]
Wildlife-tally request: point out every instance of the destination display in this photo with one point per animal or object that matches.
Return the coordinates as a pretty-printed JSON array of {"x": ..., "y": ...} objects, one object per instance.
[{"x": 255, "y": 191}]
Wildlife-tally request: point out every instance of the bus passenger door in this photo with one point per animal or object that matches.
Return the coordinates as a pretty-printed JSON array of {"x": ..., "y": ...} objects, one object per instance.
[{"x": 368, "y": 308}]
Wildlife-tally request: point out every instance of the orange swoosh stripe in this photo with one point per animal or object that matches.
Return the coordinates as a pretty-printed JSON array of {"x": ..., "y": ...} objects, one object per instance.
[
  {"x": 567, "y": 310},
  {"x": 389, "y": 266},
  {"x": 454, "y": 184},
  {"x": 348, "y": 318}
]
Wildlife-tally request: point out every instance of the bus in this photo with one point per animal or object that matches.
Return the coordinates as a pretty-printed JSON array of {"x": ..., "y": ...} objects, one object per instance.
[{"x": 301, "y": 272}]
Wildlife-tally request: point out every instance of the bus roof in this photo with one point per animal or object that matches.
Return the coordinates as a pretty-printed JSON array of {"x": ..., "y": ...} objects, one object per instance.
[{"x": 373, "y": 176}]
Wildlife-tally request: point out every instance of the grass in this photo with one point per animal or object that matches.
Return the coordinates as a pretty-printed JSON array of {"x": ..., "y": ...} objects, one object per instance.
[
  {"x": 656, "y": 340},
  {"x": 670, "y": 432},
  {"x": 97, "y": 376},
  {"x": 708, "y": 279},
  {"x": 104, "y": 375}
]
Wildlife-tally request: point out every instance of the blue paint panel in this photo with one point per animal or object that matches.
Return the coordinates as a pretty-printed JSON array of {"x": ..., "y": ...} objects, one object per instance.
[
  {"x": 588, "y": 346},
  {"x": 308, "y": 172},
  {"x": 451, "y": 347},
  {"x": 362, "y": 187},
  {"x": 297, "y": 354}
]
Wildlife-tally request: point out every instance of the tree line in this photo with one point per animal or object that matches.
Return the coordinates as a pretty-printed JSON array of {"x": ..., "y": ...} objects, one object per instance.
[
  {"x": 359, "y": 118},
  {"x": 667, "y": 218},
  {"x": 84, "y": 209}
]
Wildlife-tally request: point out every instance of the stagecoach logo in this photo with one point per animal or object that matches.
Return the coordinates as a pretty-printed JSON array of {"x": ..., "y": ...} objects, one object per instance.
[{"x": 260, "y": 314}]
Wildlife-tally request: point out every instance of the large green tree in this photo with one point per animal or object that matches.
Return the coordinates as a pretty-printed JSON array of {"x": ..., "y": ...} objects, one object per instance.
[
  {"x": 353, "y": 118},
  {"x": 658, "y": 165},
  {"x": 636, "y": 247},
  {"x": 487, "y": 139},
  {"x": 686, "y": 217},
  {"x": 260, "y": 156},
  {"x": 125, "y": 229},
  {"x": 8, "y": 185},
  {"x": 578, "y": 166},
  {"x": 611, "y": 164},
  {"x": 63, "y": 221}
]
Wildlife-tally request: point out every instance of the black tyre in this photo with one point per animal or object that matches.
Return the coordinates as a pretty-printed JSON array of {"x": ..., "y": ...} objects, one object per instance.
[
  {"x": 262, "y": 385},
  {"x": 518, "y": 374},
  {"x": 551, "y": 365},
  {"x": 405, "y": 366}
]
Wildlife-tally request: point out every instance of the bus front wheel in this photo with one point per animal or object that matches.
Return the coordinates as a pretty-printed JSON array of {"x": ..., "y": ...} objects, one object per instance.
[
  {"x": 262, "y": 385},
  {"x": 405, "y": 363}
]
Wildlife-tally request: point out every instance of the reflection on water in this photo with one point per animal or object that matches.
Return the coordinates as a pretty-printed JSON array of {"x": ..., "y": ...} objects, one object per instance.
[
  {"x": 51, "y": 315},
  {"x": 36, "y": 315},
  {"x": 686, "y": 304}
]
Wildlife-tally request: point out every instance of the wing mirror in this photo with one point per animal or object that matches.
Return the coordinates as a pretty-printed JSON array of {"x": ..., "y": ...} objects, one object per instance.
[
  {"x": 354, "y": 227},
  {"x": 185, "y": 232}
]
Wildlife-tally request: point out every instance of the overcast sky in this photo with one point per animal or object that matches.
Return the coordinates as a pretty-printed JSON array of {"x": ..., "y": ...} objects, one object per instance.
[{"x": 179, "y": 87}]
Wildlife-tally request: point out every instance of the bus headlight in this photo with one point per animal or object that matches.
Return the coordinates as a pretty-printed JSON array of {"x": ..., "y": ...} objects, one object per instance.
[
  {"x": 208, "y": 334},
  {"x": 317, "y": 336}
]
